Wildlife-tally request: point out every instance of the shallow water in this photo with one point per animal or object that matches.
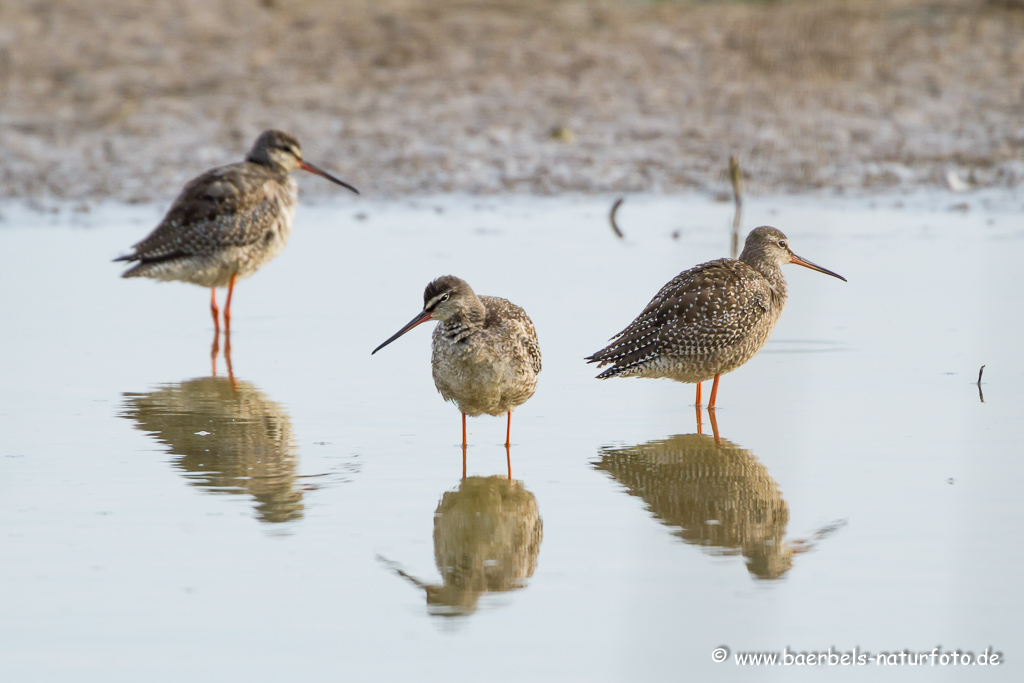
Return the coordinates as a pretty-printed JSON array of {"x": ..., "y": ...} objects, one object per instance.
[{"x": 312, "y": 519}]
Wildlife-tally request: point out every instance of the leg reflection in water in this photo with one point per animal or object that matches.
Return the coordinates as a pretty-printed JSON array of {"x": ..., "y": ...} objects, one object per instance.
[
  {"x": 215, "y": 349},
  {"x": 508, "y": 460}
]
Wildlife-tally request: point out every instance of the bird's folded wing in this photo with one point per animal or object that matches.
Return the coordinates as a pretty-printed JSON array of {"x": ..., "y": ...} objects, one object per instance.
[
  {"x": 706, "y": 308},
  {"x": 218, "y": 209}
]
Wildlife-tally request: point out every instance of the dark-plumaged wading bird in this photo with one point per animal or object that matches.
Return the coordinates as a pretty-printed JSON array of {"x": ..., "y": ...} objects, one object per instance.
[
  {"x": 710, "y": 319},
  {"x": 485, "y": 352},
  {"x": 228, "y": 222}
]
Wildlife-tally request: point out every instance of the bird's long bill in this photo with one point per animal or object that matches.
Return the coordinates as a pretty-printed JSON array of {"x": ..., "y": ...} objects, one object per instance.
[
  {"x": 421, "y": 317},
  {"x": 814, "y": 266},
  {"x": 306, "y": 166}
]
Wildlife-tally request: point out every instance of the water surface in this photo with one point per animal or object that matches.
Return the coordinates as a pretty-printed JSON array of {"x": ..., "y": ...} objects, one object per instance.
[{"x": 311, "y": 518}]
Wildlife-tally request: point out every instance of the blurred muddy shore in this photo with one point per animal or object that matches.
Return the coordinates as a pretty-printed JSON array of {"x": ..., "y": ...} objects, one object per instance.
[{"x": 128, "y": 99}]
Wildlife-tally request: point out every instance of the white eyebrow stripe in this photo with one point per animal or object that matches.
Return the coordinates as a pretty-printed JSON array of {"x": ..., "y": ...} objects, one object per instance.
[{"x": 434, "y": 301}]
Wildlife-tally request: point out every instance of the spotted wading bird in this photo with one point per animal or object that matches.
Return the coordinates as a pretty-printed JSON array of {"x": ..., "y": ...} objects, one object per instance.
[
  {"x": 710, "y": 319},
  {"x": 227, "y": 222},
  {"x": 485, "y": 352}
]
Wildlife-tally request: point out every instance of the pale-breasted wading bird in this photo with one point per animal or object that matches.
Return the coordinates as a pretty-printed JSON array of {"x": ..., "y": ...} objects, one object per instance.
[
  {"x": 485, "y": 353},
  {"x": 710, "y": 319},
  {"x": 228, "y": 222}
]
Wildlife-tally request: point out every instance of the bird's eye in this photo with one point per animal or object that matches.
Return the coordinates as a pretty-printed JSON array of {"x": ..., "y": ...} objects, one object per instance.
[
  {"x": 444, "y": 297},
  {"x": 782, "y": 243}
]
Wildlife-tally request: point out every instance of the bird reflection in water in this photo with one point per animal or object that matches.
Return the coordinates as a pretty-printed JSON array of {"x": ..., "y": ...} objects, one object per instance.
[
  {"x": 229, "y": 438},
  {"x": 714, "y": 494},
  {"x": 487, "y": 536}
]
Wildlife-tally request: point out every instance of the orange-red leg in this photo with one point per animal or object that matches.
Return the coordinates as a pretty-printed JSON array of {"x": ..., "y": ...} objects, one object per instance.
[
  {"x": 227, "y": 304},
  {"x": 698, "y": 394},
  {"x": 214, "y": 310},
  {"x": 463, "y": 430},
  {"x": 215, "y": 349},
  {"x": 508, "y": 431},
  {"x": 714, "y": 392}
]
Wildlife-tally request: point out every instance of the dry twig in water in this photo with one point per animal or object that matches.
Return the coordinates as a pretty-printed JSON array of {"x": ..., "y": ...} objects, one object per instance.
[{"x": 980, "y": 395}]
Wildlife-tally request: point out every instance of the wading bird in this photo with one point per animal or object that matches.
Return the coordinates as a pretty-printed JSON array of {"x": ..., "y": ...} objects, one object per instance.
[
  {"x": 485, "y": 353},
  {"x": 710, "y": 319},
  {"x": 227, "y": 222}
]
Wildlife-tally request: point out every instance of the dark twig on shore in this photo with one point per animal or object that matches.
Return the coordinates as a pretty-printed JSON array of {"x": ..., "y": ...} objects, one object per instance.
[
  {"x": 980, "y": 395},
  {"x": 734, "y": 176},
  {"x": 611, "y": 217}
]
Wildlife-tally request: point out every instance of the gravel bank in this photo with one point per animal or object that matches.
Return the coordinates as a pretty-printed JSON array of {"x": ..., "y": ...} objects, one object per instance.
[{"x": 128, "y": 99}]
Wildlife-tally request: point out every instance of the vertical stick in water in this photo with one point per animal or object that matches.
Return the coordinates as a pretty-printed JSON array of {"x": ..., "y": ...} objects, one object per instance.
[
  {"x": 611, "y": 217},
  {"x": 734, "y": 176}
]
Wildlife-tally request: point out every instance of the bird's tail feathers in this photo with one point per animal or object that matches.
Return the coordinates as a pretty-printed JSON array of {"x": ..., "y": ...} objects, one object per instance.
[{"x": 613, "y": 371}]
